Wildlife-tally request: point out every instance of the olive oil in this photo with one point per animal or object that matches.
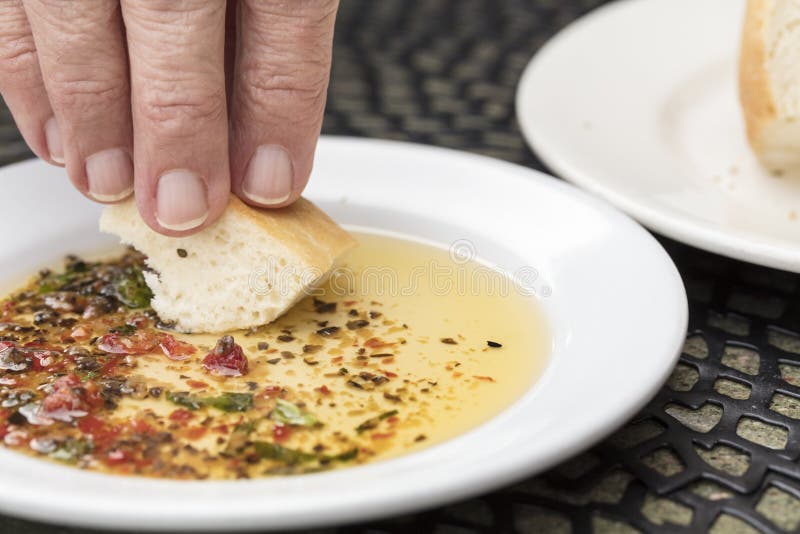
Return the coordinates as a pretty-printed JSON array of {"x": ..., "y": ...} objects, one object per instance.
[{"x": 406, "y": 345}]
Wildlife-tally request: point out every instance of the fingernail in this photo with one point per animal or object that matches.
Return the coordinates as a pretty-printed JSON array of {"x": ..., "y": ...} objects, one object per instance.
[
  {"x": 181, "y": 200},
  {"x": 110, "y": 175},
  {"x": 52, "y": 135},
  {"x": 268, "y": 179}
]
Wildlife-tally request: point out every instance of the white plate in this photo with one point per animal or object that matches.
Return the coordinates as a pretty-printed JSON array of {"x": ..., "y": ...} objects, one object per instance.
[
  {"x": 616, "y": 307},
  {"x": 638, "y": 103}
]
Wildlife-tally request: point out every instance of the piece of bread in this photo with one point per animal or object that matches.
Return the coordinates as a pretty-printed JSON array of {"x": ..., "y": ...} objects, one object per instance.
[
  {"x": 769, "y": 81},
  {"x": 245, "y": 270}
]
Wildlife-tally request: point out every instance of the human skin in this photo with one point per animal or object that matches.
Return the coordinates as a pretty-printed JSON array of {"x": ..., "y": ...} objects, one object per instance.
[{"x": 179, "y": 101}]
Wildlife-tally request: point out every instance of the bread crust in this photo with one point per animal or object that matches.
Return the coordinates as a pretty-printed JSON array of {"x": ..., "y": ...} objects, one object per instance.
[
  {"x": 302, "y": 227},
  {"x": 755, "y": 93}
]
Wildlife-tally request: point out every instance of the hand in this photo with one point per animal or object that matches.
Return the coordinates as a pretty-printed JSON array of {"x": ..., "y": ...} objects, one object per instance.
[{"x": 182, "y": 101}]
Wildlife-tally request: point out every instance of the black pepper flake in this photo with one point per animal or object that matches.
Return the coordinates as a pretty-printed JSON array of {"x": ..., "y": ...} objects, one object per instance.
[
  {"x": 321, "y": 306},
  {"x": 263, "y": 345},
  {"x": 285, "y": 338},
  {"x": 328, "y": 331},
  {"x": 182, "y": 252},
  {"x": 310, "y": 361},
  {"x": 286, "y": 354},
  {"x": 374, "y": 314},
  {"x": 381, "y": 355},
  {"x": 273, "y": 361},
  {"x": 421, "y": 437},
  {"x": 155, "y": 392},
  {"x": 449, "y": 341},
  {"x": 355, "y": 325},
  {"x": 311, "y": 349},
  {"x": 353, "y": 312},
  {"x": 251, "y": 386},
  {"x": 494, "y": 344},
  {"x": 391, "y": 397}
]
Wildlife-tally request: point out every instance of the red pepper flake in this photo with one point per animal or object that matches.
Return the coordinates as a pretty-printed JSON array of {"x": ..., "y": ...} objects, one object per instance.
[
  {"x": 67, "y": 399},
  {"x": 337, "y": 359},
  {"x": 15, "y": 438},
  {"x": 382, "y": 435},
  {"x": 8, "y": 307},
  {"x": 377, "y": 343},
  {"x": 102, "y": 434},
  {"x": 139, "y": 426},
  {"x": 137, "y": 343},
  {"x": 196, "y": 432},
  {"x": 271, "y": 391},
  {"x": 226, "y": 359},
  {"x": 485, "y": 378},
  {"x": 222, "y": 429},
  {"x": 80, "y": 333},
  {"x": 197, "y": 384},
  {"x": 281, "y": 433},
  {"x": 138, "y": 321},
  {"x": 174, "y": 349},
  {"x": 181, "y": 415},
  {"x": 393, "y": 419},
  {"x": 324, "y": 390},
  {"x": 349, "y": 302},
  {"x": 389, "y": 374},
  {"x": 118, "y": 456}
]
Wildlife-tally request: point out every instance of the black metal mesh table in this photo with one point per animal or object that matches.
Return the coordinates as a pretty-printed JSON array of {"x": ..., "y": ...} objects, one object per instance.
[{"x": 718, "y": 447}]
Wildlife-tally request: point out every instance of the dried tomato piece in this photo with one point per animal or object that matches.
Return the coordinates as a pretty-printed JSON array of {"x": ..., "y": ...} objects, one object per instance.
[
  {"x": 137, "y": 343},
  {"x": 226, "y": 359},
  {"x": 181, "y": 416},
  {"x": 103, "y": 435},
  {"x": 281, "y": 433},
  {"x": 174, "y": 349},
  {"x": 66, "y": 399}
]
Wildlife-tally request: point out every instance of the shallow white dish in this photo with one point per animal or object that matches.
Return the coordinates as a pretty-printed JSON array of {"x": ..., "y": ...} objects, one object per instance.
[
  {"x": 638, "y": 102},
  {"x": 614, "y": 300}
]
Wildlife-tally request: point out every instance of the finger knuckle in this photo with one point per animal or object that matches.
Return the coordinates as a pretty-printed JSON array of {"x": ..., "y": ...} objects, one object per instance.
[
  {"x": 77, "y": 93},
  {"x": 178, "y": 111},
  {"x": 17, "y": 57},
  {"x": 299, "y": 95}
]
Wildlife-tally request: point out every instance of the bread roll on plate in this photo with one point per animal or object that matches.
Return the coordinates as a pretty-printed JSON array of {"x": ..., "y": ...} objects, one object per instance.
[
  {"x": 245, "y": 270},
  {"x": 769, "y": 81}
]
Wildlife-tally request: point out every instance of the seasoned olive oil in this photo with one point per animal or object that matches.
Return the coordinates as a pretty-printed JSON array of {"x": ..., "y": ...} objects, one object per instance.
[{"x": 406, "y": 345}]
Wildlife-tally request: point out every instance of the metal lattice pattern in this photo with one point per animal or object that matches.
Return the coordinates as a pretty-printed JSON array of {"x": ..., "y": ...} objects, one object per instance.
[{"x": 717, "y": 449}]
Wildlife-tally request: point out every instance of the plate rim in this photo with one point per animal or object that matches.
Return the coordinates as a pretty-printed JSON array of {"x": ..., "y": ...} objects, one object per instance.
[{"x": 484, "y": 481}]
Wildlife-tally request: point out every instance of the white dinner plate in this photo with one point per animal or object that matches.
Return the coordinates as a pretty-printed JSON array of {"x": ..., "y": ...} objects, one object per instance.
[
  {"x": 638, "y": 102},
  {"x": 614, "y": 301}
]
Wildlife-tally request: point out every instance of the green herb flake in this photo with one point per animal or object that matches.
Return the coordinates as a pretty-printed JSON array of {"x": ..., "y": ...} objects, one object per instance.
[
  {"x": 131, "y": 289},
  {"x": 124, "y": 330},
  {"x": 273, "y": 451},
  {"x": 71, "y": 450},
  {"x": 373, "y": 422},
  {"x": 231, "y": 402},
  {"x": 291, "y": 414},
  {"x": 227, "y": 402}
]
